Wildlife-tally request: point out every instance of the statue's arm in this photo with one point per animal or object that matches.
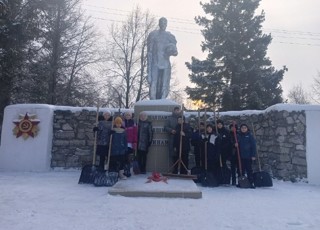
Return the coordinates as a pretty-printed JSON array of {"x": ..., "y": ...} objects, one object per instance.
[{"x": 172, "y": 40}]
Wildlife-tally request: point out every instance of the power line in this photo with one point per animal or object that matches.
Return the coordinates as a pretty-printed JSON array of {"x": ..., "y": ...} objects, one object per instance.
[
  {"x": 294, "y": 43},
  {"x": 313, "y": 35},
  {"x": 177, "y": 20},
  {"x": 293, "y": 32},
  {"x": 303, "y": 38},
  {"x": 181, "y": 29},
  {"x": 105, "y": 19},
  {"x": 101, "y": 7},
  {"x": 188, "y": 21}
]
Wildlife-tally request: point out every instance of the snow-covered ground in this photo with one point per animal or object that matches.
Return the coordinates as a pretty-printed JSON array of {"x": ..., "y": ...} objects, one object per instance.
[{"x": 54, "y": 200}]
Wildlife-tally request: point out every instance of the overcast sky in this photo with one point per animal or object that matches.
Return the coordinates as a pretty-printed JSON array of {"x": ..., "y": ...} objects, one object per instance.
[{"x": 293, "y": 24}]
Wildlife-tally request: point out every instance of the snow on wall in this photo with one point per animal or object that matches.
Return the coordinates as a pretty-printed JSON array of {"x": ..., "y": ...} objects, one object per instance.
[
  {"x": 312, "y": 146},
  {"x": 34, "y": 154}
]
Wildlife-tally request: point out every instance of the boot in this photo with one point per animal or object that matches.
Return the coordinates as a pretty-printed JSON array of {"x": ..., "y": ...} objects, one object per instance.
[
  {"x": 121, "y": 175},
  {"x": 131, "y": 171},
  {"x": 234, "y": 181}
]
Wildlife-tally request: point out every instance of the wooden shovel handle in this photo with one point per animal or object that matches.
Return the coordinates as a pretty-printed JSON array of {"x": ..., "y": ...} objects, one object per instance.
[
  {"x": 238, "y": 152},
  {"x": 95, "y": 139}
]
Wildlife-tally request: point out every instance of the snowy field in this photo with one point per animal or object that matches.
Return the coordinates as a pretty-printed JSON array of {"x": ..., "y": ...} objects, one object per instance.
[{"x": 54, "y": 201}]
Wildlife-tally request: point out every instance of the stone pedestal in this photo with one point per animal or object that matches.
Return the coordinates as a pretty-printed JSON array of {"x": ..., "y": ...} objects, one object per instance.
[{"x": 158, "y": 112}]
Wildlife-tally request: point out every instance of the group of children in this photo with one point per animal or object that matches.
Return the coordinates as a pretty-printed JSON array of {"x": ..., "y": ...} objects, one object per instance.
[
  {"x": 214, "y": 145},
  {"x": 124, "y": 140}
]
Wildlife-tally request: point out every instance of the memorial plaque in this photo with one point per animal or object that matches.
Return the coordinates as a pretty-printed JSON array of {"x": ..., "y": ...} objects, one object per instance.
[{"x": 158, "y": 112}]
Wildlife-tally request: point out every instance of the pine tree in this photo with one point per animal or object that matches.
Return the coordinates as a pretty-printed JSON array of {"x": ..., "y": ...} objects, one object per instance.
[
  {"x": 236, "y": 73},
  {"x": 18, "y": 30},
  {"x": 65, "y": 49}
]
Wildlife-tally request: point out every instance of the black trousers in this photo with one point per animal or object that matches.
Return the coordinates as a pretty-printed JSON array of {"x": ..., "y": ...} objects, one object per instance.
[
  {"x": 142, "y": 160},
  {"x": 199, "y": 155},
  {"x": 234, "y": 165},
  {"x": 117, "y": 162},
  {"x": 247, "y": 168},
  {"x": 102, "y": 152}
]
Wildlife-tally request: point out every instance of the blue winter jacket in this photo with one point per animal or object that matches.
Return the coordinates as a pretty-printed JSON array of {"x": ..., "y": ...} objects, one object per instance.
[
  {"x": 247, "y": 145},
  {"x": 119, "y": 142}
]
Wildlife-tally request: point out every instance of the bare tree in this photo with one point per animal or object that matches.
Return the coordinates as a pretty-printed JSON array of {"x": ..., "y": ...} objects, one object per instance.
[
  {"x": 297, "y": 95},
  {"x": 316, "y": 89},
  {"x": 176, "y": 94},
  {"x": 126, "y": 61},
  {"x": 84, "y": 54}
]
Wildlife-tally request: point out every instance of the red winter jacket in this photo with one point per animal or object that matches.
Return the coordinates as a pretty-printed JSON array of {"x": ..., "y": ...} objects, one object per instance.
[{"x": 132, "y": 135}]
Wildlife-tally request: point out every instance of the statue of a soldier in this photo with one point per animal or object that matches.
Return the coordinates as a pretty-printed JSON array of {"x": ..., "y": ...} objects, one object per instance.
[{"x": 161, "y": 45}]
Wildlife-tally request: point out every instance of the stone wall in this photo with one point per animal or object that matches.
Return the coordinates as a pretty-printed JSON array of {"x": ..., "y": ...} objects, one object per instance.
[
  {"x": 281, "y": 140},
  {"x": 72, "y": 144}
]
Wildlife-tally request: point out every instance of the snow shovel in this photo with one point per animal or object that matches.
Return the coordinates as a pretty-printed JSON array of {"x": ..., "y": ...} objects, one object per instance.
[
  {"x": 106, "y": 178},
  {"x": 89, "y": 171},
  {"x": 243, "y": 182},
  {"x": 261, "y": 178},
  {"x": 106, "y": 166},
  {"x": 135, "y": 166}
]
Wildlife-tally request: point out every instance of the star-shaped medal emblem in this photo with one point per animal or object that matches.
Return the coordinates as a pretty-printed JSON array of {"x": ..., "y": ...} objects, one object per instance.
[{"x": 26, "y": 127}]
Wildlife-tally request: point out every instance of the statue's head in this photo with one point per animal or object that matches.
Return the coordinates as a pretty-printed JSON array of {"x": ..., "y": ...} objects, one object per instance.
[{"x": 163, "y": 23}]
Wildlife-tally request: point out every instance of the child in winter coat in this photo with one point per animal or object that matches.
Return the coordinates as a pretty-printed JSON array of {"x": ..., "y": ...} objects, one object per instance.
[
  {"x": 247, "y": 148},
  {"x": 196, "y": 142},
  {"x": 118, "y": 148},
  {"x": 169, "y": 128},
  {"x": 103, "y": 130},
  {"x": 212, "y": 147},
  {"x": 225, "y": 141},
  {"x": 131, "y": 131},
  {"x": 145, "y": 136}
]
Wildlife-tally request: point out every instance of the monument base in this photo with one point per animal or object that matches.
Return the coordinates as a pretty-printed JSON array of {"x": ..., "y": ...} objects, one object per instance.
[{"x": 158, "y": 111}]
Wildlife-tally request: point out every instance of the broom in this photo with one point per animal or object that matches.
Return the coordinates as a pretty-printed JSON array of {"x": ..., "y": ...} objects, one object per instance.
[{"x": 179, "y": 162}]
